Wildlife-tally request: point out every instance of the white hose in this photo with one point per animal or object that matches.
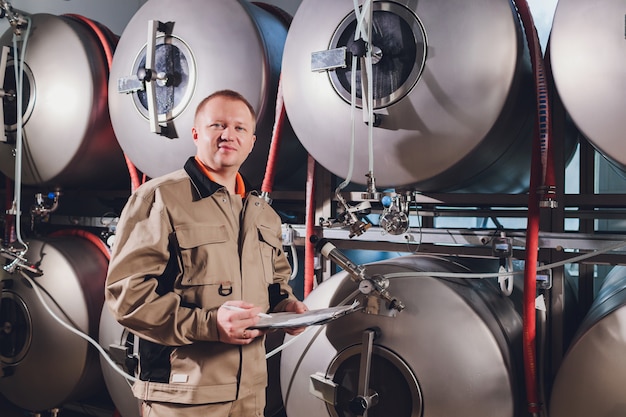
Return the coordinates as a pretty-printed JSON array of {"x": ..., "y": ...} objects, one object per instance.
[
  {"x": 368, "y": 102},
  {"x": 481, "y": 275},
  {"x": 287, "y": 343},
  {"x": 360, "y": 32},
  {"x": 77, "y": 332},
  {"x": 19, "y": 87}
]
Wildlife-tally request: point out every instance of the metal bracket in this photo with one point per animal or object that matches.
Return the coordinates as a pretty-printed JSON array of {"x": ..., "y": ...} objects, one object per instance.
[
  {"x": 323, "y": 388},
  {"x": 329, "y": 60}
]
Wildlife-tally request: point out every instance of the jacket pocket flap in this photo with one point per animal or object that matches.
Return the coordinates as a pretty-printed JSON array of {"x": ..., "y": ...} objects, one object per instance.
[
  {"x": 195, "y": 235},
  {"x": 269, "y": 236}
]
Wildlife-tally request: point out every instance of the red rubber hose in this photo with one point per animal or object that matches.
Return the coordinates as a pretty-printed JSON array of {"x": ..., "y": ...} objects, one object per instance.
[
  {"x": 309, "y": 247},
  {"x": 542, "y": 182},
  {"x": 108, "y": 52},
  {"x": 270, "y": 168},
  {"x": 85, "y": 235}
]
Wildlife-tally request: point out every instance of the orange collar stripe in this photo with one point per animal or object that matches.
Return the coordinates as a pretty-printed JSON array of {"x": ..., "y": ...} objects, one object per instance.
[{"x": 240, "y": 187}]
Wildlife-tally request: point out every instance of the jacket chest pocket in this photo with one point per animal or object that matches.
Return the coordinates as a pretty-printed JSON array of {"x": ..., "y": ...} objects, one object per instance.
[
  {"x": 270, "y": 247},
  {"x": 206, "y": 256}
]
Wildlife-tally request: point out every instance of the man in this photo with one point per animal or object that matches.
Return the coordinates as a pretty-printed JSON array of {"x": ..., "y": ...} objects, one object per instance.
[{"x": 195, "y": 259}]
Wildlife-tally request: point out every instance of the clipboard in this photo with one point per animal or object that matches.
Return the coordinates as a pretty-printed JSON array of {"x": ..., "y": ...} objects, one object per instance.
[{"x": 308, "y": 318}]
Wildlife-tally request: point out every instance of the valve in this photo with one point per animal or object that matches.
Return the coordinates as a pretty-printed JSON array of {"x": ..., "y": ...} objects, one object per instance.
[
  {"x": 43, "y": 208},
  {"x": 354, "y": 217},
  {"x": 376, "y": 286},
  {"x": 394, "y": 218}
]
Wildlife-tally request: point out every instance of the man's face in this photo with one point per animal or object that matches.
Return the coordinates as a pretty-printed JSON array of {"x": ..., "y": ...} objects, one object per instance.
[{"x": 224, "y": 134}]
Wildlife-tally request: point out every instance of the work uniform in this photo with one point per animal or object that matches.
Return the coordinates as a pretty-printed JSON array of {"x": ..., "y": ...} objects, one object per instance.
[{"x": 184, "y": 245}]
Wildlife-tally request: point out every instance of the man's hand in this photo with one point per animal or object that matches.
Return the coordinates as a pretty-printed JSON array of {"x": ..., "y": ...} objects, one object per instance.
[
  {"x": 295, "y": 307},
  {"x": 233, "y": 321}
]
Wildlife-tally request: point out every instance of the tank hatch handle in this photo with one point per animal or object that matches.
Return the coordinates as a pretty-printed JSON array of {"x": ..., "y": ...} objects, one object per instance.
[
  {"x": 154, "y": 26},
  {"x": 323, "y": 388},
  {"x": 146, "y": 78},
  {"x": 366, "y": 398}
]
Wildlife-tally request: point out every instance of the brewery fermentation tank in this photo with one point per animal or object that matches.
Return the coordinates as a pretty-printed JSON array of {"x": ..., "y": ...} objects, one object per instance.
[
  {"x": 454, "y": 350},
  {"x": 453, "y": 93},
  {"x": 192, "y": 50},
  {"x": 43, "y": 363},
  {"x": 591, "y": 378},
  {"x": 67, "y": 133}
]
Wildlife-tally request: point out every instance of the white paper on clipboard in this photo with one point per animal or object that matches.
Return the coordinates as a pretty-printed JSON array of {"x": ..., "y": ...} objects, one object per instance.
[{"x": 308, "y": 318}]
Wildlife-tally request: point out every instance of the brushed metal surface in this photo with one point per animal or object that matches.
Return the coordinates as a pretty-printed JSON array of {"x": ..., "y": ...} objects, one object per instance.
[
  {"x": 587, "y": 53},
  {"x": 68, "y": 137}
]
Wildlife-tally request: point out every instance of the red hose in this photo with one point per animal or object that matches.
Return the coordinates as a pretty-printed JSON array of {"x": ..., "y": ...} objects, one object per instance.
[
  {"x": 9, "y": 223},
  {"x": 542, "y": 181},
  {"x": 309, "y": 247},
  {"x": 530, "y": 285},
  {"x": 108, "y": 52},
  {"x": 270, "y": 169},
  {"x": 86, "y": 235},
  {"x": 544, "y": 114},
  {"x": 550, "y": 178}
]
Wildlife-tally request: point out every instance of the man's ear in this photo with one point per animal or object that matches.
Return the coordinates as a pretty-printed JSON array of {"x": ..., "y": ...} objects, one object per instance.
[
  {"x": 253, "y": 142},
  {"x": 194, "y": 133}
]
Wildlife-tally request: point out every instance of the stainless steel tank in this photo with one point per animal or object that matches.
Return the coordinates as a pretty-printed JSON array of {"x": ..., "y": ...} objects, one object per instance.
[
  {"x": 198, "y": 47},
  {"x": 44, "y": 364},
  {"x": 592, "y": 376},
  {"x": 452, "y": 90},
  {"x": 68, "y": 137},
  {"x": 587, "y": 54},
  {"x": 453, "y": 351}
]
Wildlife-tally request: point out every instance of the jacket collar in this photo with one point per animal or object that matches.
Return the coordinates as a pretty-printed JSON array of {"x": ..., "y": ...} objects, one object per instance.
[{"x": 201, "y": 182}]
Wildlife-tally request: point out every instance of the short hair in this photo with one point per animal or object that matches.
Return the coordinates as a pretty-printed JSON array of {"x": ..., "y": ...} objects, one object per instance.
[{"x": 231, "y": 94}]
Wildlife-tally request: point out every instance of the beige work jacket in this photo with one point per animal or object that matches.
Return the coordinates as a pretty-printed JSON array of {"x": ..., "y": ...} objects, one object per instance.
[{"x": 183, "y": 247}]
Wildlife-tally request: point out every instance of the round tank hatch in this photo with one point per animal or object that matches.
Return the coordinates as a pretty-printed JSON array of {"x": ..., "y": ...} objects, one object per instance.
[
  {"x": 391, "y": 378},
  {"x": 399, "y": 56},
  {"x": 177, "y": 78},
  {"x": 16, "y": 331}
]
